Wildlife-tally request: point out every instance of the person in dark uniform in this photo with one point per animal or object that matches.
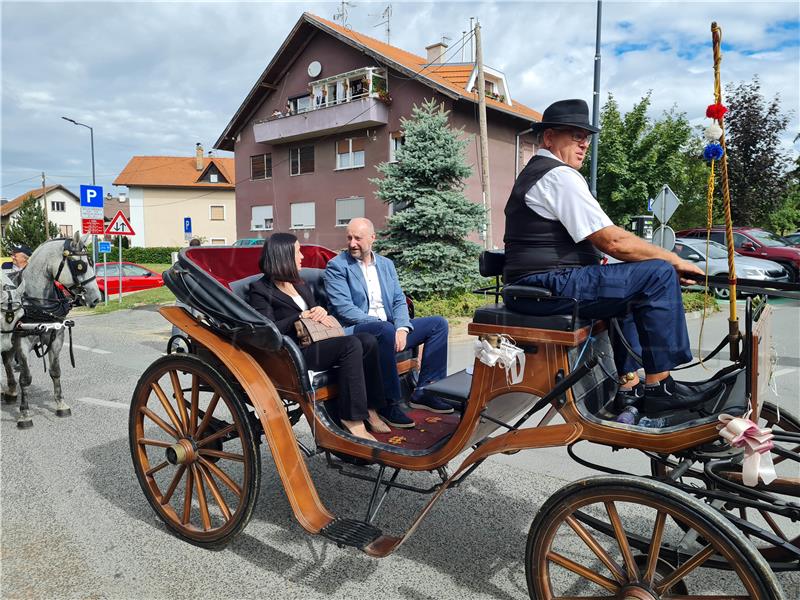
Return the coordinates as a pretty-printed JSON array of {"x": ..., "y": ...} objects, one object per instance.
[{"x": 554, "y": 231}]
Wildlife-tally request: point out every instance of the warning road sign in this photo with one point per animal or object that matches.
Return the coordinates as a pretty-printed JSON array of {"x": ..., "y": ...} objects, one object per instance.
[{"x": 119, "y": 225}]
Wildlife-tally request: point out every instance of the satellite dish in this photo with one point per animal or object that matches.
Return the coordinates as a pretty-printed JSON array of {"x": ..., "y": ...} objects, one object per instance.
[
  {"x": 314, "y": 68},
  {"x": 664, "y": 236}
]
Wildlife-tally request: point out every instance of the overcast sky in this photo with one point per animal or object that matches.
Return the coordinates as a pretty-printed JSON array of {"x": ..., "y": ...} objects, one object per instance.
[{"x": 154, "y": 78}]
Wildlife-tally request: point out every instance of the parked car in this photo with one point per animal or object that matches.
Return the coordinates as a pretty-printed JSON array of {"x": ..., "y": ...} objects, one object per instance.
[
  {"x": 694, "y": 250},
  {"x": 794, "y": 238},
  {"x": 249, "y": 242},
  {"x": 134, "y": 278},
  {"x": 758, "y": 243}
]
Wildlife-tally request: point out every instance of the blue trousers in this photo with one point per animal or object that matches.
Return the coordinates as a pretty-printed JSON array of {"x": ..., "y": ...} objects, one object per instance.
[
  {"x": 645, "y": 296},
  {"x": 431, "y": 331}
]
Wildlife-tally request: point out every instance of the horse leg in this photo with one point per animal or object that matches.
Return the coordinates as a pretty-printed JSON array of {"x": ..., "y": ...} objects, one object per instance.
[
  {"x": 24, "y": 420},
  {"x": 9, "y": 388},
  {"x": 62, "y": 409}
]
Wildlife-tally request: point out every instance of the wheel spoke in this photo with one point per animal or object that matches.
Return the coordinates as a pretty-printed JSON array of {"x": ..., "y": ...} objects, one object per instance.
[
  {"x": 655, "y": 547},
  {"x": 176, "y": 422},
  {"x": 159, "y": 421},
  {"x": 149, "y": 442},
  {"x": 687, "y": 567},
  {"x": 205, "y": 517},
  {"x": 583, "y": 571},
  {"x": 595, "y": 547},
  {"x": 221, "y": 433},
  {"x": 195, "y": 402},
  {"x": 215, "y": 492},
  {"x": 622, "y": 540},
  {"x": 220, "y": 454},
  {"x": 222, "y": 476},
  {"x": 187, "y": 499},
  {"x": 207, "y": 417},
  {"x": 773, "y": 525},
  {"x": 157, "y": 468},
  {"x": 171, "y": 489},
  {"x": 176, "y": 386}
]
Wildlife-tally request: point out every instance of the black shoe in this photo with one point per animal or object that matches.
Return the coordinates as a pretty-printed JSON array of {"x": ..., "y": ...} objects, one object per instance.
[
  {"x": 431, "y": 403},
  {"x": 668, "y": 394},
  {"x": 394, "y": 416},
  {"x": 631, "y": 397}
]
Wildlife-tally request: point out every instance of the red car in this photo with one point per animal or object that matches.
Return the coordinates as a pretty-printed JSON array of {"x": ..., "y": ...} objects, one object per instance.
[
  {"x": 134, "y": 278},
  {"x": 755, "y": 242}
]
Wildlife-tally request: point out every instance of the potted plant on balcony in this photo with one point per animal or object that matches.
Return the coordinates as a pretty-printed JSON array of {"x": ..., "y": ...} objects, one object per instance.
[{"x": 384, "y": 97}]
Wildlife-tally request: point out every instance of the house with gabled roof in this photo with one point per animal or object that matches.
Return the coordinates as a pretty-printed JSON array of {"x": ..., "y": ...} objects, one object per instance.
[
  {"x": 327, "y": 110},
  {"x": 63, "y": 208},
  {"x": 163, "y": 191}
]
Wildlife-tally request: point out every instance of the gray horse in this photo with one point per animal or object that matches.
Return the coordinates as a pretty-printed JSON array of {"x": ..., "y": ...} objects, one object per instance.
[{"x": 45, "y": 308}]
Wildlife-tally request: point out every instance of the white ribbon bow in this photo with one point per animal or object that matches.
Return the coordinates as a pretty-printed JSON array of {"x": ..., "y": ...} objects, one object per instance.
[
  {"x": 757, "y": 443},
  {"x": 506, "y": 355}
]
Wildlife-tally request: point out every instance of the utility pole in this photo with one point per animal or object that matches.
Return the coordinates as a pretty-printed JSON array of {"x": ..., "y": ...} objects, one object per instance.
[
  {"x": 46, "y": 218},
  {"x": 487, "y": 197},
  {"x": 471, "y": 53},
  {"x": 596, "y": 101}
]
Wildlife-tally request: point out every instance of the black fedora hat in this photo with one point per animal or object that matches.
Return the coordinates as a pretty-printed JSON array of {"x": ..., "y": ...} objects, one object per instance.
[
  {"x": 21, "y": 248},
  {"x": 565, "y": 113}
]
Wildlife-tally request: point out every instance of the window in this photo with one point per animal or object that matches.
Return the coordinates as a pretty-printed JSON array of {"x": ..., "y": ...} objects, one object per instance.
[
  {"x": 348, "y": 208},
  {"x": 58, "y": 205},
  {"x": 488, "y": 86},
  {"x": 300, "y": 104},
  {"x": 301, "y": 160},
  {"x": 216, "y": 212},
  {"x": 65, "y": 231},
  {"x": 218, "y": 241},
  {"x": 302, "y": 215},
  {"x": 109, "y": 270},
  {"x": 134, "y": 271},
  {"x": 396, "y": 140},
  {"x": 261, "y": 218},
  {"x": 261, "y": 166},
  {"x": 213, "y": 178},
  {"x": 350, "y": 153}
]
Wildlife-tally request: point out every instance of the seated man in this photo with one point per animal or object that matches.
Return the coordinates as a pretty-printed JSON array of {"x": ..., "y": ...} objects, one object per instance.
[
  {"x": 364, "y": 293},
  {"x": 554, "y": 229},
  {"x": 19, "y": 260}
]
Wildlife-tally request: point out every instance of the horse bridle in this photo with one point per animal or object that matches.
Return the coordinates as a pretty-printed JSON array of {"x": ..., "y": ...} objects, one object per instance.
[{"x": 77, "y": 266}]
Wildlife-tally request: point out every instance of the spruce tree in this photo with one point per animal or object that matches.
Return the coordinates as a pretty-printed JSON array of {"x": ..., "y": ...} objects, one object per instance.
[
  {"x": 426, "y": 236},
  {"x": 27, "y": 226}
]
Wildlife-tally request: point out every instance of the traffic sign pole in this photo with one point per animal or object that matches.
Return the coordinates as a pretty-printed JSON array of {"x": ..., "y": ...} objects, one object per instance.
[{"x": 119, "y": 237}]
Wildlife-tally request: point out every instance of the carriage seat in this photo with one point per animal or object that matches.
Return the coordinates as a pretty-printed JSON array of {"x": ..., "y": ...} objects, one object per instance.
[{"x": 498, "y": 314}]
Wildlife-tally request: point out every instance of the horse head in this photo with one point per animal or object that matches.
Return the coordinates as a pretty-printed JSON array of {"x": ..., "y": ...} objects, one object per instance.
[{"x": 67, "y": 262}]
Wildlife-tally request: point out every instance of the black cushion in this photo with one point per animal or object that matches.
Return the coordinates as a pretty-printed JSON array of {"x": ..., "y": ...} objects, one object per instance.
[
  {"x": 491, "y": 262},
  {"x": 316, "y": 283},
  {"x": 454, "y": 388},
  {"x": 498, "y": 314},
  {"x": 241, "y": 287},
  {"x": 526, "y": 291}
]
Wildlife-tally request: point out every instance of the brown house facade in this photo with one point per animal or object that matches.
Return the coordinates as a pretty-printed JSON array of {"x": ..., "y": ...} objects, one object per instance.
[{"x": 327, "y": 110}]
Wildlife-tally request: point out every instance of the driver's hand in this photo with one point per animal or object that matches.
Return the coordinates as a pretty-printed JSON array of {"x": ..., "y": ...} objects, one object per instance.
[{"x": 684, "y": 267}]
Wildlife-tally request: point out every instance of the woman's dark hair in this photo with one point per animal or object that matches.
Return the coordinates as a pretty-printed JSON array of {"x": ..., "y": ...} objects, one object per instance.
[{"x": 277, "y": 258}]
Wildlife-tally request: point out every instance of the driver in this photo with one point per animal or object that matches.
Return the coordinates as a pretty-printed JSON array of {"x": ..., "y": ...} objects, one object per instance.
[
  {"x": 554, "y": 229},
  {"x": 19, "y": 260}
]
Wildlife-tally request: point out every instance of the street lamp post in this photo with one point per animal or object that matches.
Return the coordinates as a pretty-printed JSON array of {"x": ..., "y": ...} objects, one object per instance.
[{"x": 91, "y": 140}]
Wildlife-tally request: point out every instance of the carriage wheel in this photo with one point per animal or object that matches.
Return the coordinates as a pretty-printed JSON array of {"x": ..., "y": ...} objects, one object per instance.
[
  {"x": 782, "y": 527},
  {"x": 630, "y": 537},
  {"x": 194, "y": 451}
]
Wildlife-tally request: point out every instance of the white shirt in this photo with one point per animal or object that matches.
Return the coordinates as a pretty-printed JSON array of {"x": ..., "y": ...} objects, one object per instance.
[
  {"x": 370, "y": 272},
  {"x": 563, "y": 195},
  {"x": 300, "y": 302}
]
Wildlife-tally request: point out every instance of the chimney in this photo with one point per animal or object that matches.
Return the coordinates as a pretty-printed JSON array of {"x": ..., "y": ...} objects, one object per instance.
[
  {"x": 199, "y": 156},
  {"x": 435, "y": 52}
]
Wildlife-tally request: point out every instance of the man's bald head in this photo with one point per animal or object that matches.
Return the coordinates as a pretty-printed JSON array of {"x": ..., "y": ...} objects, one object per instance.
[{"x": 360, "y": 237}]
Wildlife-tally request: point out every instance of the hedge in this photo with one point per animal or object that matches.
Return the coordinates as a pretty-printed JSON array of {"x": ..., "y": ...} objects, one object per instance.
[{"x": 157, "y": 254}]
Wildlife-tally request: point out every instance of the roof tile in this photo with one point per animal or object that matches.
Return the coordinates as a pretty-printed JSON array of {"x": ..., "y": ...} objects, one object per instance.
[{"x": 174, "y": 171}]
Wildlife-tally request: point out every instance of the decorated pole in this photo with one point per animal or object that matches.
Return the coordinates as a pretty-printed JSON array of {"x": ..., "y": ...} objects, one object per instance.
[{"x": 717, "y": 151}]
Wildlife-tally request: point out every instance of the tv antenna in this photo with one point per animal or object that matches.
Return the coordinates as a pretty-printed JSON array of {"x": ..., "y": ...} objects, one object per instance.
[
  {"x": 386, "y": 15},
  {"x": 342, "y": 13}
]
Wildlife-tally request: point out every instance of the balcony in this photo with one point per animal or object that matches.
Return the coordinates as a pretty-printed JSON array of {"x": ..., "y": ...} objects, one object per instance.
[{"x": 337, "y": 118}]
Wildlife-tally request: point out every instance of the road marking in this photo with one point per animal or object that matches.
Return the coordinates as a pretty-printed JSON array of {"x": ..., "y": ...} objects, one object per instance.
[
  {"x": 108, "y": 403},
  {"x": 95, "y": 350}
]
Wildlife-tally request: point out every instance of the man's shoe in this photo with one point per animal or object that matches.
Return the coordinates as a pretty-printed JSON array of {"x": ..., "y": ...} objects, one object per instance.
[
  {"x": 394, "y": 416},
  {"x": 667, "y": 395},
  {"x": 431, "y": 403},
  {"x": 631, "y": 397}
]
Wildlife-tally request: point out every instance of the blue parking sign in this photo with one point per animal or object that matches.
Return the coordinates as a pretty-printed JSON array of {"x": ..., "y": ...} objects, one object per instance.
[
  {"x": 187, "y": 224},
  {"x": 92, "y": 195}
]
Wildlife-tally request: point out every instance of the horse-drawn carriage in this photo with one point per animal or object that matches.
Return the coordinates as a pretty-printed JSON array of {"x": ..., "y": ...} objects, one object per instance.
[{"x": 197, "y": 420}]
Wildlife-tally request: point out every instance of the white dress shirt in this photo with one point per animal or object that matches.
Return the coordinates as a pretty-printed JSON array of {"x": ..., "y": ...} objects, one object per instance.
[
  {"x": 370, "y": 272},
  {"x": 563, "y": 195}
]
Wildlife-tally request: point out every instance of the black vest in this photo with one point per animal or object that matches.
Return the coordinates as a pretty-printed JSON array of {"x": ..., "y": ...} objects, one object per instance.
[{"x": 535, "y": 244}]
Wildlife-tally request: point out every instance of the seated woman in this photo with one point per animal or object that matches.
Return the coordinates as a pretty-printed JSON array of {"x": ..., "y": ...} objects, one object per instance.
[{"x": 283, "y": 298}]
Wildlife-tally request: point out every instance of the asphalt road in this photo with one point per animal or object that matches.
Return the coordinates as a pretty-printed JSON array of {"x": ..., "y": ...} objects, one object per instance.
[{"x": 76, "y": 525}]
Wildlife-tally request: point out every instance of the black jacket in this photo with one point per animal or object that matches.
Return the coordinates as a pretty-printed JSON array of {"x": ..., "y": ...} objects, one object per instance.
[{"x": 277, "y": 306}]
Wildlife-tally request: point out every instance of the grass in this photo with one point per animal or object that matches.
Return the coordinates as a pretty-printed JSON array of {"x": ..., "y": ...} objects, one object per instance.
[
  {"x": 155, "y": 296},
  {"x": 693, "y": 301}
]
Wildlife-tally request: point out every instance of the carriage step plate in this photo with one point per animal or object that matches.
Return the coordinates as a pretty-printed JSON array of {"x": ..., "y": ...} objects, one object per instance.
[{"x": 348, "y": 532}]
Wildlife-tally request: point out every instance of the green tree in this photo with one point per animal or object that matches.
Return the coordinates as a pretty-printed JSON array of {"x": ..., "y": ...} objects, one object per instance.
[
  {"x": 638, "y": 155},
  {"x": 787, "y": 218},
  {"x": 757, "y": 168},
  {"x": 27, "y": 227},
  {"x": 427, "y": 234}
]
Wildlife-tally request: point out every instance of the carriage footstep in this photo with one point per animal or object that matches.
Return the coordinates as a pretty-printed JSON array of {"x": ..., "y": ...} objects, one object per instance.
[{"x": 349, "y": 532}]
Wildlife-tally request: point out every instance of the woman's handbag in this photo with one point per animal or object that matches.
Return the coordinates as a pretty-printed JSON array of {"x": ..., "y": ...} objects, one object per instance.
[{"x": 310, "y": 331}]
